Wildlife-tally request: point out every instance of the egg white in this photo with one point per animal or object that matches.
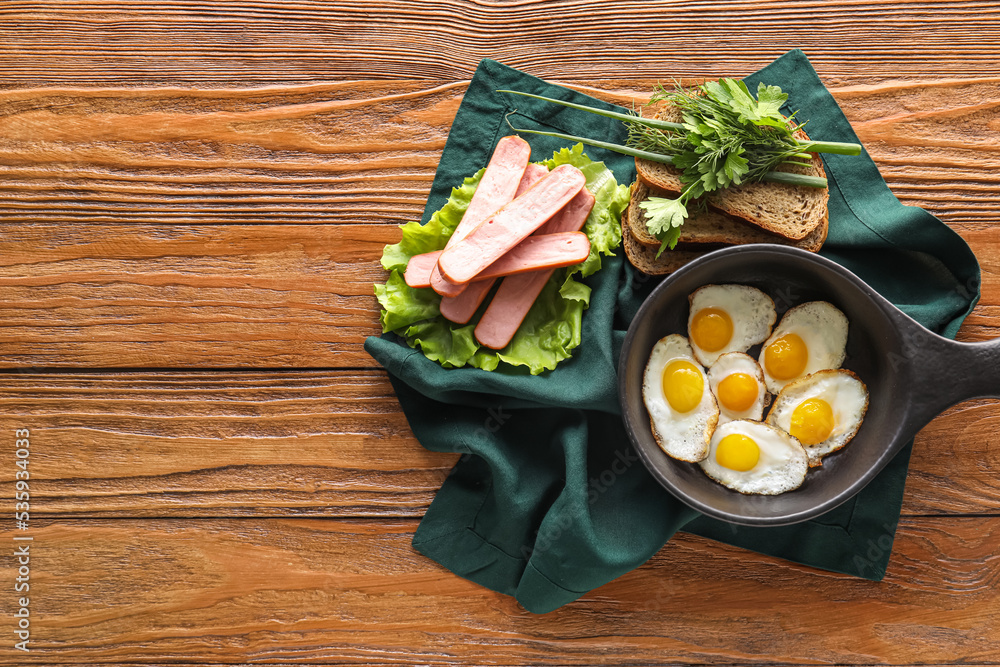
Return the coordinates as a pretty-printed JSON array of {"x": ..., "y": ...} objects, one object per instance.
[
  {"x": 846, "y": 394},
  {"x": 682, "y": 435},
  {"x": 738, "y": 362},
  {"x": 823, "y": 329},
  {"x": 782, "y": 465},
  {"x": 751, "y": 311}
]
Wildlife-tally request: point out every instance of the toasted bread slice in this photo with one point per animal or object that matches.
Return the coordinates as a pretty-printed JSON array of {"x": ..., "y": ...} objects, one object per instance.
[
  {"x": 643, "y": 257},
  {"x": 711, "y": 227},
  {"x": 791, "y": 211}
]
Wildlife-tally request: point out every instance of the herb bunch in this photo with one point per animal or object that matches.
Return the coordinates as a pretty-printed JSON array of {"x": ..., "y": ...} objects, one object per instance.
[{"x": 727, "y": 137}]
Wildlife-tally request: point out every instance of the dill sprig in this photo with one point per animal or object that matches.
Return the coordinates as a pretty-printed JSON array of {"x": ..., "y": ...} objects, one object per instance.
[{"x": 729, "y": 137}]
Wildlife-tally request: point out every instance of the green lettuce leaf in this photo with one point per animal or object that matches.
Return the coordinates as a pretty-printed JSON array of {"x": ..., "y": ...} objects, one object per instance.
[
  {"x": 551, "y": 329},
  {"x": 451, "y": 346},
  {"x": 603, "y": 224},
  {"x": 418, "y": 239}
]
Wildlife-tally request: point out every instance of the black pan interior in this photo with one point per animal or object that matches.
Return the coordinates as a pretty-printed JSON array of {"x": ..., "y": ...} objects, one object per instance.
[{"x": 790, "y": 277}]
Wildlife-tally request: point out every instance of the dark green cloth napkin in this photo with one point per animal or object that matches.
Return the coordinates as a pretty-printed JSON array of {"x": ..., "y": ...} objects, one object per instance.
[{"x": 548, "y": 500}]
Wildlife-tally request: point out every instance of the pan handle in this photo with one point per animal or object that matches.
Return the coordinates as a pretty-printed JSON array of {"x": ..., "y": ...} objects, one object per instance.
[{"x": 943, "y": 372}]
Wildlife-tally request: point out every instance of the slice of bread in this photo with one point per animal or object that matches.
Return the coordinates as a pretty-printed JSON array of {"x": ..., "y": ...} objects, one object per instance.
[
  {"x": 643, "y": 257},
  {"x": 792, "y": 211},
  {"x": 711, "y": 227}
]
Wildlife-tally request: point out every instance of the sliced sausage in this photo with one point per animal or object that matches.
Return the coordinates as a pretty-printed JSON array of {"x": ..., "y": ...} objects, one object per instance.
[
  {"x": 509, "y": 307},
  {"x": 507, "y": 175},
  {"x": 498, "y": 185},
  {"x": 572, "y": 217},
  {"x": 418, "y": 269},
  {"x": 532, "y": 174},
  {"x": 531, "y": 254},
  {"x": 511, "y": 303},
  {"x": 442, "y": 285},
  {"x": 460, "y": 309},
  {"x": 550, "y": 251},
  {"x": 461, "y": 262}
]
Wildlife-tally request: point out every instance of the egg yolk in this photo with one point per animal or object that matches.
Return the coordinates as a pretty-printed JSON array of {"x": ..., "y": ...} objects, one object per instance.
[
  {"x": 683, "y": 385},
  {"x": 738, "y": 392},
  {"x": 786, "y": 357},
  {"x": 737, "y": 452},
  {"x": 711, "y": 329},
  {"x": 812, "y": 421}
]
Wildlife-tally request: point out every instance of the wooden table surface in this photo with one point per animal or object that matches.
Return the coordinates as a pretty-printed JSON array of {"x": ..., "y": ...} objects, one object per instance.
[{"x": 193, "y": 199}]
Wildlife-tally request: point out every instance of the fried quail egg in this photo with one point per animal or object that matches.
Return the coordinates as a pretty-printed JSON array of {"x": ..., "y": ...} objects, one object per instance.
[
  {"x": 810, "y": 337},
  {"x": 682, "y": 411},
  {"x": 753, "y": 457},
  {"x": 738, "y": 385},
  {"x": 823, "y": 411},
  {"x": 728, "y": 318}
]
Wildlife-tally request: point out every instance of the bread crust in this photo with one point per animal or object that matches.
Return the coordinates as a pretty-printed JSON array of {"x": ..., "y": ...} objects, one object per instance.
[
  {"x": 793, "y": 212},
  {"x": 709, "y": 229},
  {"x": 644, "y": 258}
]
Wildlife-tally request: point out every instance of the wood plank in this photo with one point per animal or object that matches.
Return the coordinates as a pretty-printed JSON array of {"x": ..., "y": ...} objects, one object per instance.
[
  {"x": 149, "y": 295},
  {"x": 93, "y": 293},
  {"x": 307, "y": 154},
  {"x": 261, "y": 296},
  {"x": 319, "y": 444},
  {"x": 303, "y": 154},
  {"x": 206, "y": 157},
  {"x": 209, "y": 444},
  {"x": 177, "y": 42},
  {"x": 954, "y": 462},
  {"x": 278, "y": 591}
]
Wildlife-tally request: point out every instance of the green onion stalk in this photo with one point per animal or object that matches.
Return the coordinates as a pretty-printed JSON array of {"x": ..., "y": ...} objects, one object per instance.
[{"x": 726, "y": 138}]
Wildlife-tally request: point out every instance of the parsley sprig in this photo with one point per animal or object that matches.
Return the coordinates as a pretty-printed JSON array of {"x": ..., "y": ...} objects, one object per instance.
[{"x": 727, "y": 137}]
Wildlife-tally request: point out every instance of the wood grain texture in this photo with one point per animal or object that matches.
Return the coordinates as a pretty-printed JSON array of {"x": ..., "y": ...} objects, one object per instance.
[
  {"x": 144, "y": 295},
  {"x": 261, "y": 296},
  {"x": 214, "y": 44},
  {"x": 208, "y": 185},
  {"x": 334, "y": 152},
  {"x": 302, "y": 591},
  {"x": 366, "y": 152},
  {"x": 320, "y": 444},
  {"x": 242, "y": 228},
  {"x": 210, "y": 444}
]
